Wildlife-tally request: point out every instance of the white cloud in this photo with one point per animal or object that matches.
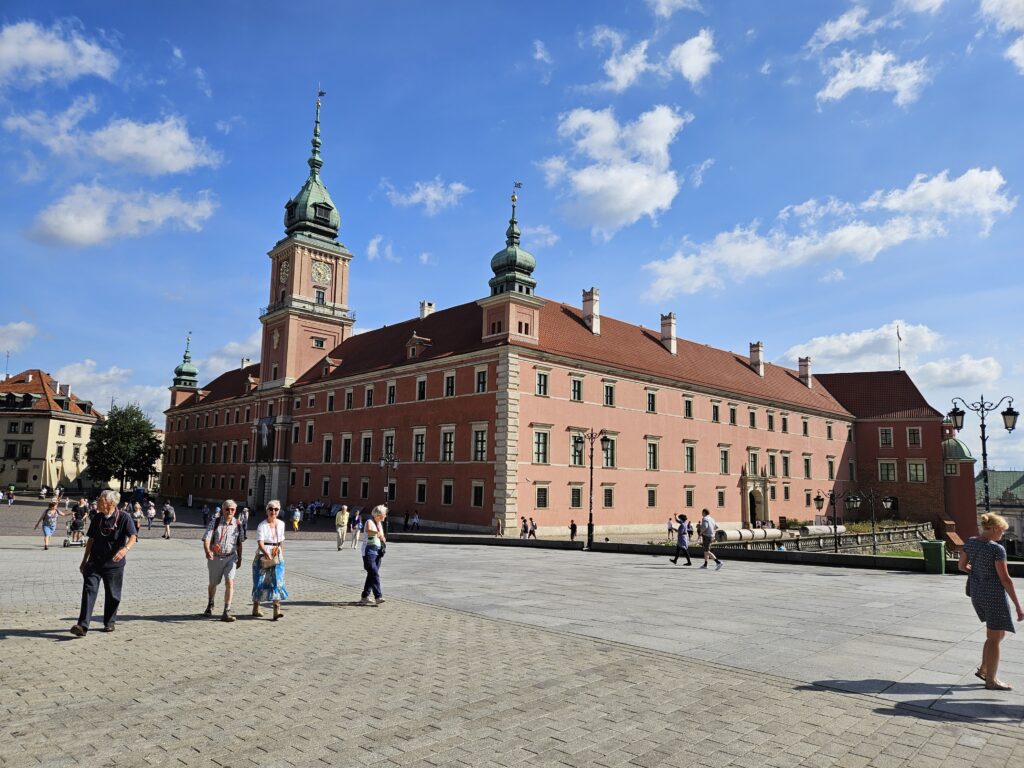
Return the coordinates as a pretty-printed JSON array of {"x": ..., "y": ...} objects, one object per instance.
[
  {"x": 374, "y": 250},
  {"x": 540, "y": 236},
  {"x": 693, "y": 59},
  {"x": 976, "y": 194},
  {"x": 541, "y": 53},
  {"x": 177, "y": 53},
  {"x": 31, "y": 54},
  {"x": 766, "y": 68},
  {"x": 623, "y": 68},
  {"x": 833, "y": 276},
  {"x": 962, "y": 372},
  {"x": 92, "y": 214},
  {"x": 872, "y": 349},
  {"x": 202, "y": 82},
  {"x": 151, "y": 148},
  {"x": 665, "y": 8},
  {"x": 427, "y": 259},
  {"x": 433, "y": 195},
  {"x": 99, "y": 386},
  {"x": 849, "y": 26},
  {"x": 877, "y": 71},
  {"x": 15, "y": 336},
  {"x": 1015, "y": 53},
  {"x": 622, "y": 172},
  {"x": 229, "y": 357},
  {"x": 228, "y": 125},
  {"x": 921, "y": 6},
  {"x": 697, "y": 177},
  {"x": 834, "y": 229},
  {"x": 1007, "y": 14}
]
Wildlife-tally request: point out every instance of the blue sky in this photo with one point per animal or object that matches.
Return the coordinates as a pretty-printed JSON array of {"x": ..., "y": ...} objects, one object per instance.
[{"x": 805, "y": 173}]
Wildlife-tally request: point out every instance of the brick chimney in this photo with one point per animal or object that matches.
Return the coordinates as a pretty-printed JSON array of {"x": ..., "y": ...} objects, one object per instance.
[
  {"x": 426, "y": 309},
  {"x": 668, "y": 332},
  {"x": 757, "y": 357},
  {"x": 805, "y": 371},
  {"x": 592, "y": 310}
]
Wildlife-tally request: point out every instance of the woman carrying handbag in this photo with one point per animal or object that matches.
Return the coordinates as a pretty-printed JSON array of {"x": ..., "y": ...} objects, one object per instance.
[{"x": 268, "y": 567}]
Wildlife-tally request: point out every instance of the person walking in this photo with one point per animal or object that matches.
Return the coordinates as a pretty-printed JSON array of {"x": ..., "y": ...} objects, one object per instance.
[
  {"x": 169, "y": 517},
  {"x": 415, "y": 521},
  {"x": 357, "y": 528},
  {"x": 206, "y": 515},
  {"x": 989, "y": 585},
  {"x": 49, "y": 522},
  {"x": 243, "y": 522},
  {"x": 707, "y": 527},
  {"x": 150, "y": 515},
  {"x": 683, "y": 532},
  {"x": 268, "y": 565},
  {"x": 79, "y": 515},
  {"x": 111, "y": 536},
  {"x": 341, "y": 525},
  {"x": 373, "y": 552},
  {"x": 296, "y": 517},
  {"x": 524, "y": 528},
  {"x": 572, "y": 530},
  {"x": 533, "y": 529},
  {"x": 671, "y": 529},
  {"x": 222, "y": 543},
  {"x": 137, "y": 517}
]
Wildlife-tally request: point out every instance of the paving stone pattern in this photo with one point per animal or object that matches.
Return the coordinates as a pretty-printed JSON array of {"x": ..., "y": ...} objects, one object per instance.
[{"x": 409, "y": 683}]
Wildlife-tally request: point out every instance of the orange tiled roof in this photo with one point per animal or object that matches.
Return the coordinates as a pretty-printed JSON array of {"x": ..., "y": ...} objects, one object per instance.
[
  {"x": 879, "y": 395},
  {"x": 44, "y": 387}
]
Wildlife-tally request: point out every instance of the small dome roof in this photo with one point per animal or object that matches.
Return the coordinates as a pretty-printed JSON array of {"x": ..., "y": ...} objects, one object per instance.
[
  {"x": 955, "y": 450},
  {"x": 187, "y": 369},
  {"x": 513, "y": 258}
]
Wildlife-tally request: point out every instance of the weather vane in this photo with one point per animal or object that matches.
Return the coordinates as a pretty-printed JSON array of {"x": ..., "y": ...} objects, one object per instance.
[{"x": 516, "y": 185}]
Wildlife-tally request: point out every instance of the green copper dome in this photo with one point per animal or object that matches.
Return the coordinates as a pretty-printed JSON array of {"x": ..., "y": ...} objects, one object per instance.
[
  {"x": 186, "y": 374},
  {"x": 513, "y": 265},
  {"x": 955, "y": 450},
  {"x": 312, "y": 209}
]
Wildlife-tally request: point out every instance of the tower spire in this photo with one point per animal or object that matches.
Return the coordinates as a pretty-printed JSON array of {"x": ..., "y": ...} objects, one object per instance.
[
  {"x": 512, "y": 233},
  {"x": 315, "y": 163},
  {"x": 186, "y": 375}
]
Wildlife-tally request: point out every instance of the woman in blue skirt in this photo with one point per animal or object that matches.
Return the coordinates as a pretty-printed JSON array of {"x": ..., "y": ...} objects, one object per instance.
[
  {"x": 49, "y": 522},
  {"x": 268, "y": 567}
]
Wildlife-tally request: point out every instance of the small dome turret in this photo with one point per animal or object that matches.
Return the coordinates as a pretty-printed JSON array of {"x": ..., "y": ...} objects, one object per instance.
[
  {"x": 513, "y": 265},
  {"x": 186, "y": 374}
]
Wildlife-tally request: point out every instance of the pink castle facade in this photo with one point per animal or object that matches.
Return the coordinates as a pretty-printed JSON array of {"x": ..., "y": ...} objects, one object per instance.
[{"x": 486, "y": 407}]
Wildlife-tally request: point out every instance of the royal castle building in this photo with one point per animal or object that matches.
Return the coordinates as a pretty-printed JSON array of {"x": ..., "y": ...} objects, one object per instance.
[{"x": 496, "y": 409}]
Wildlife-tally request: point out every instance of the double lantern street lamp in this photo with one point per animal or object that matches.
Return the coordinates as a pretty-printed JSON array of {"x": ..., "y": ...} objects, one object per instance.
[
  {"x": 852, "y": 501},
  {"x": 388, "y": 461},
  {"x": 984, "y": 407},
  {"x": 605, "y": 440}
]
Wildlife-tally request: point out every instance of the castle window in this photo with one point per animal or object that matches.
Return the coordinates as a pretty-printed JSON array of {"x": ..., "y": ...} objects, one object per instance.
[
  {"x": 318, "y": 343},
  {"x": 321, "y": 296},
  {"x": 290, "y": 208},
  {"x": 322, "y": 213}
]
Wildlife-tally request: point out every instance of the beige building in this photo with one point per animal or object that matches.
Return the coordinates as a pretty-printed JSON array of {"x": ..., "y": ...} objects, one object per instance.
[{"x": 45, "y": 431}]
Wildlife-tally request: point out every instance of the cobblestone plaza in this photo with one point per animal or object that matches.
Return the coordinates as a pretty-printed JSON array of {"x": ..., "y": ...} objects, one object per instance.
[{"x": 498, "y": 657}]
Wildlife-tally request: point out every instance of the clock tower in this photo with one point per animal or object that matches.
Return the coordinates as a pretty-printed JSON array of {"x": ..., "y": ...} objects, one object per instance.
[{"x": 307, "y": 315}]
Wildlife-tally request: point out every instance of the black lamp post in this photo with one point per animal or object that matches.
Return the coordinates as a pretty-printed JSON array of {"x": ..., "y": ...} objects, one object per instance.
[
  {"x": 591, "y": 436},
  {"x": 851, "y": 503},
  {"x": 388, "y": 461},
  {"x": 984, "y": 407}
]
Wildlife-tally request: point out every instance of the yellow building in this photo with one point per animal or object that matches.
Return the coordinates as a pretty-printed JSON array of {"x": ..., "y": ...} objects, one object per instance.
[{"x": 45, "y": 431}]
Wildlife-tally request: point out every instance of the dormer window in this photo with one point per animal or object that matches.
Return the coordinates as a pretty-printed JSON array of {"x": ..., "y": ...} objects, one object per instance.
[
  {"x": 290, "y": 211},
  {"x": 322, "y": 213},
  {"x": 412, "y": 352}
]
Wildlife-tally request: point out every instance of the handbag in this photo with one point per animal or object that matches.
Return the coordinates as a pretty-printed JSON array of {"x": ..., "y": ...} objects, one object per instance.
[{"x": 273, "y": 561}]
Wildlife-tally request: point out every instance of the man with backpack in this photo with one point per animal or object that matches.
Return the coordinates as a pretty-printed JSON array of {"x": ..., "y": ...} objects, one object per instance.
[
  {"x": 683, "y": 533},
  {"x": 222, "y": 543},
  {"x": 707, "y": 528}
]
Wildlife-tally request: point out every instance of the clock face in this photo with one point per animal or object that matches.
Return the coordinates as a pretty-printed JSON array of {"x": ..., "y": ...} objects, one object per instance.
[
  {"x": 321, "y": 272},
  {"x": 284, "y": 270}
]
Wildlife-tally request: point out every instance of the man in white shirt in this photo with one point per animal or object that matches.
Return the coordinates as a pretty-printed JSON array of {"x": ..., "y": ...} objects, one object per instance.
[{"x": 707, "y": 528}]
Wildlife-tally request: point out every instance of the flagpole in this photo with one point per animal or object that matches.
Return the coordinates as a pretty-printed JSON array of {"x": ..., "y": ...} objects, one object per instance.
[{"x": 899, "y": 355}]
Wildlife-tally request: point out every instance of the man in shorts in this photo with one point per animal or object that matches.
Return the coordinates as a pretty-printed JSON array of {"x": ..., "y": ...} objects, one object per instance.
[
  {"x": 222, "y": 543},
  {"x": 707, "y": 528}
]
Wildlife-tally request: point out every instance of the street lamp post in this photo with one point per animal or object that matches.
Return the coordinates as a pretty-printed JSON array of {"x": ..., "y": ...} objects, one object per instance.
[
  {"x": 984, "y": 407},
  {"x": 851, "y": 503},
  {"x": 388, "y": 461},
  {"x": 591, "y": 436}
]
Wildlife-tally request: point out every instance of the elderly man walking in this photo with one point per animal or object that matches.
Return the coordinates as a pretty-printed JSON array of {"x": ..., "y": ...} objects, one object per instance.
[
  {"x": 111, "y": 536},
  {"x": 341, "y": 525},
  {"x": 223, "y": 545}
]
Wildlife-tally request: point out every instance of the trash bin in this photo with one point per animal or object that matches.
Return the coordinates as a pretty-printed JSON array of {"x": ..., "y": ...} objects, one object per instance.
[{"x": 934, "y": 556}]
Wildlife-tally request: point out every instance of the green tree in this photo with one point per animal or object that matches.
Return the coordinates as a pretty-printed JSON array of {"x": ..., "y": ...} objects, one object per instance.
[{"x": 123, "y": 446}]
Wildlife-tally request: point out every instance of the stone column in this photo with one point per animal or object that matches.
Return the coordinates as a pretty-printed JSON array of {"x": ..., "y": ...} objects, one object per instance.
[{"x": 506, "y": 442}]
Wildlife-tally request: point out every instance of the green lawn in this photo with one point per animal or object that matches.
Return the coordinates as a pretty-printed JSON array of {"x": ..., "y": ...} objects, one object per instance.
[{"x": 902, "y": 553}]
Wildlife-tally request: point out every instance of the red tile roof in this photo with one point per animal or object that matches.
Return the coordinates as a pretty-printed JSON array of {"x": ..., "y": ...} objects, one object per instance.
[
  {"x": 879, "y": 395},
  {"x": 44, "y": 388},
  {"x": 228, "y": 386}
]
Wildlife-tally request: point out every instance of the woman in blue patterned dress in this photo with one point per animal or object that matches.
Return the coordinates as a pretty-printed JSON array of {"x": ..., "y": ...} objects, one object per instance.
[
  {"x": 268, "y": 583},
  {"x": 989, "y": 585},
  {"x": 49, "y": 522}
]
